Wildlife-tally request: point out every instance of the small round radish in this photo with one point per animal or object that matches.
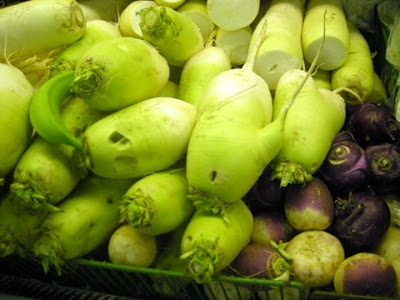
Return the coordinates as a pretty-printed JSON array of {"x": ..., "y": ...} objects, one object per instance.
[
  {"x": 365, "y": 273},
  {"x": 315, "y": 257},
  {"x": 129, "y": 246},
  {"x": 309, "y": 206},
  {"x": 271, "y": 225}
]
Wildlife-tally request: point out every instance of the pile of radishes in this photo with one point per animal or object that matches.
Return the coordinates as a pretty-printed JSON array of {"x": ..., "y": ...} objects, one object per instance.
[{"x": 245, "y": 138}]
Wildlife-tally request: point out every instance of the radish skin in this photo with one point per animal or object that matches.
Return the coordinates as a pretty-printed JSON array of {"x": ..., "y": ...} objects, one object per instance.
[
  {"x": 22, "y": 36},
  {"x": 336, "y": 40},
  {"x": 211, "y": 242},
  {"x": 281, "y": 49}
]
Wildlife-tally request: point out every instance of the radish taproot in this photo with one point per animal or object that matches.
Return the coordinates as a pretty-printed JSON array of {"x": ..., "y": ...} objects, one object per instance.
[
  {"x": 85, "y": 219},
  {"x": 175, "y": 35},
  {"x": 22, "y": 36},
  {"x": 211, "y": 242},
  {"x": 140, "y": 139},
  {"x": 316, "y": 255},
  {"x": 336, "y": 39},
  {"x": 16, "y": 130},
  {"x": 233, "y": 132},
  {"x": 118, "y": 72},
  {"x": 148, "y": 204},
  {"x": 281, "y": 49}
]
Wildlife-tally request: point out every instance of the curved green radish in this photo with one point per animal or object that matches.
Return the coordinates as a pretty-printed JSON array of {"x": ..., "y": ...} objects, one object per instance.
[
  {"x": 175, "y": 35},
  {"x": 196, "y": 10},
  {"x": 46, "y": 173},
  {"x": 44, "y": 111},
  {"x": 85, "y": 220},
  {"x": 15, "y": 97},
  {"x": 281, "y": 49},
  {"x": 311, "y": 125},
  {"x": 107, "y": 10},
  {"x": 157, "y": 203},
  {"x": 357, "y": 72},
  {"x": 171, "y": 89},
  {"x": 233, "y": 14},
  {"x": 322, "y": 79},
  {"x": 116, "y": 73},
  {"x": 130, "y": 19},
  {"x": 35, "y": 27},
  {"x": 199, "y": 70},
  {"x": 96, "y": 31},
  {"x": 174, "y": 4},
  {"x": 138, "y": 140},
  {"x": 211, "y": 242},
  {"x": 379, "y": 93},
  {"x": 233, "y": 139},
  {"x": 336, "y": 40}
]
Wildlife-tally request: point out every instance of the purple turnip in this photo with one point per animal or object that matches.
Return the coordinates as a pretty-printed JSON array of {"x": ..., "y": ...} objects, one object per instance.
[
  {"x": 309, "y": 206},
  {"x": 261, "y": 261},
  {"x": 271, "y": 225},
  {"x": 346, "y": 166},
  {"x": 365, "y": 273},
  {"x": 384, "y": 162},
  {"x": 361, "y": 220},
  {"x": 374, "y": 124}
]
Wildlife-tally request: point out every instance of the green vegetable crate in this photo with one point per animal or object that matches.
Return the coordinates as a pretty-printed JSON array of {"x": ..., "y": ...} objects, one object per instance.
[{"x": 93, "y": 277}]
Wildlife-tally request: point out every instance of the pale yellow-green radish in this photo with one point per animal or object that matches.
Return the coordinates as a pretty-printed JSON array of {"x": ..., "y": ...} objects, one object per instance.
[
  {"x": 235, "y": 43},
  {"x": 107, "y": 10},
  {"x": 379, "y": 93},
  {"x": 140, "y": 139},
  {"x": 197, "y": 11},
  {"x": 336, "y": 46},
  {"x": 171, "y": 89},
  {"x": 131, "y": 247},
  {"x": 85, "y": 220},
  {"x": 157, "y": 203},
  {"x": 175, "y": 35},
  {"x": 281, "y": 49},
  {"x": 118, "y": 72},
  {"x": 198, "y": 72},
  {"x": 129, "y": 20},
  {"x": 174, "y": 4},
  {"x": 312, "y": 123},
  {"x": 46, "y": 173},
  {"x": 357, "y": 72},
  {"x": 322, "y": 79},
  {"x": 96, "y": 31},
  {"x": 233, "y": 139},
  {"x": 211, "y": 242},
  {"x": 35, "y": 27},
  {"x": 15, "y": 97},
  {"x": 233, "y": 14}
]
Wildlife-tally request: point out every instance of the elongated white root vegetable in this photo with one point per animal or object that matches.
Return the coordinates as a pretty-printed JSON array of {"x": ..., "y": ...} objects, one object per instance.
[
  {"x": 196, "y": 10},
  {"x": 225, "y": 13},
  {"x": 357, "y": 72},
  {"x": 175, "y": 35},
  {"x": 130, "y": 19},
  {"x": 157, "y": 203},
  {"x": 281, "y": 49},
  {"x": 198, "y": 72},
  {"x": 15, "y": 96},
  {"x": 174, "y": 4},
  {"x": 86, "y": 219},
  {"x": 36, "y": 27},
  {"x": 118, "y": 72},
  {"x": 107, "y": 10},
  {"x": 96, "y": 31},
  {"x": 322, "y": 79},
  {"x": 235, "y": 43},
  {"x": 140, "y": 139},
  {"x": 211, "y": 242},
  {"x": 379, "y": 93},
  {"x": 336, "y": 45}
]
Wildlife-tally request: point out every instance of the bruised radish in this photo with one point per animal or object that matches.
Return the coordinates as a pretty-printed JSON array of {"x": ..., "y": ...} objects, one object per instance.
[{"x": 309, "y": 206}]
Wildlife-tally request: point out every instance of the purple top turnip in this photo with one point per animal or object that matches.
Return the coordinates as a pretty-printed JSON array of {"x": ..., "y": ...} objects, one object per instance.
[
  {"x": 384, "y": 162},
  {"x": 361, "y": 220},
  {"x": 346, "y": 167},
  {"x": 373, "y": 124},
  {"x": 309, "y": 206}
]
